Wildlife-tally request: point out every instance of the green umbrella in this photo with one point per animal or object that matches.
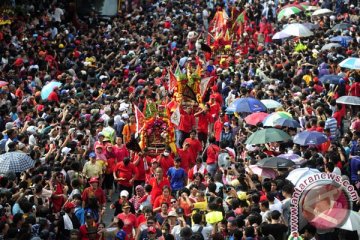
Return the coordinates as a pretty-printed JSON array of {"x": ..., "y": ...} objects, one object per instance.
[
  {"x": 288, "y": 11},
  {"x": 267, "y": 135}
]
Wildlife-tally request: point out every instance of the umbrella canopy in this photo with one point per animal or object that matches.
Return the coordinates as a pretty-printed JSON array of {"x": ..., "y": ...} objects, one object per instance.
[
  {"x": 48, "y": 88},
  {"x": 284, "y": 122},
  {"x": 3, "y": 83},
  {"x": 247, "y": 105},
  {"x": 269, "y": 120},
  {"x": 309, "y": 8},
  {"x": 288, "y": 11},
  {"x": 322, "y": 12},
  {"x": 267, "y": 135},
  {"x": 341, "y": 26},
  {"x": 255, "y": 118},
  {"x": 349, "y": 100},
  {"x": 307, "y": 138},
  {"x": 275, "y": 162},
  {"x": 311, "y": 26},
  {"x": 352, "y": 222},
  {"x": 297, "y": 30},
  {"x": 330, "y": 78},
  {"x": 352, "y": 63},
  {"x": 263, "y": 172},
  {"x": 293, "y": 157},
  {"x": 341, "y": 39},
  {"x": 280, "y": 35},
  {"x": 271, "y": 104},
  {"x": 15, "y": 162},
  {"x": 298, "y": 174},
  {"x": 329, "y": 46}
]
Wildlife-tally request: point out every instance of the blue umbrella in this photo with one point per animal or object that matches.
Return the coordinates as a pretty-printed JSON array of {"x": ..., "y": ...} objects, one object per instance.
[
  {"x": 246, "y": 105},
  {"x": 48, "y": 88},
  {"x": 341, "y": 39},
  {"x": 307, "y": 138},
  {"x": 330, "y": 78},
  {"x": 352, "y": 63},
  {"x": 15, "y": 162}
]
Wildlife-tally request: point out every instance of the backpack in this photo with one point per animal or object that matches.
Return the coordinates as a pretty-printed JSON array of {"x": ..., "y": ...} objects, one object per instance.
[{"x": 198, "y": 235}]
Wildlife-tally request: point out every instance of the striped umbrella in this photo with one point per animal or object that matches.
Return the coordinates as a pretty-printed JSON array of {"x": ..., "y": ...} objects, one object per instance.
[
  {"x": 352, "y": 63},
  {"x": 15, "y": 162},
  {"x": 287, "y": 12}
]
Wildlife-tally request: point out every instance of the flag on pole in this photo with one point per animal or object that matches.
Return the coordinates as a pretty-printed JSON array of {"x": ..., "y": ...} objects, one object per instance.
[
  {"x": 177, "y": 71},
  {"x": 172, "y": 80},
  {"x": 175, "y": 116},
  {"x": 140, "y": 118},
  {"x": 204, "y": 85}
]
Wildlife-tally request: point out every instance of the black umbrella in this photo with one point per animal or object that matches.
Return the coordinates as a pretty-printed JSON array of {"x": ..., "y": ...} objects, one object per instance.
[{"x": 275, "y": 162}]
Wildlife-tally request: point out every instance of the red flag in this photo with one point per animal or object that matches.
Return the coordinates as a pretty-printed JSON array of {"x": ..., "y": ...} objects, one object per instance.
[
  {"x": 140, "y": 119},
  {"x": 172, "y": 80}
]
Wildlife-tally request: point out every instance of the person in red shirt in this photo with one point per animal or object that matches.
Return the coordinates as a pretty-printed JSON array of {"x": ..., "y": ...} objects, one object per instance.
[
  {"x": 195, "y": 147},
  {"x": 110, "y": 167},
  {"x": 339, "y": 114},
  {"x": 216, "y": 95},
  {"x": 198, "y": 168},
  {"x": 218, "y": 126},
  {"x": 186, "y": 156},
  {"x": 187, "y": 123},
  {"x": 212, "y": 152},
  {"x": 54, "y": 95},
  {"x": 120, "y": 150},
  {"x": 140, "y": 162},
  {"x": 150, "y": 172},
  {"x": 19, "y": 93},
  {"x": 57, "y": 197},
  {"x": 355, "y": 88},
  {"x": 94, "y": 191},
  {"x": 157, "y": 183},
  {"x": 204, "y": 119},
  {"x": 125, "y": 174},
  {"x": 89, "y": 229},
  {"x": 165, "y": 197},
  {"x": 129, "y": 219},
  {"x": 165, "y": 160}
]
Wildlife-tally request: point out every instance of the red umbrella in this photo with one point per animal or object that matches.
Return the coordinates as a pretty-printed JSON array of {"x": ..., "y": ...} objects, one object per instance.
[
  {"x": 3, "y": 83},
  {"x": 255, "y": 118}
]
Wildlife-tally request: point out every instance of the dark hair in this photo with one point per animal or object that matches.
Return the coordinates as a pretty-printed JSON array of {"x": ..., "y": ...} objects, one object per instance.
[
  {"x": 275, "y": 215},
  {"x": 197, "y": 218},
  {"x": 265, "y": 204}
]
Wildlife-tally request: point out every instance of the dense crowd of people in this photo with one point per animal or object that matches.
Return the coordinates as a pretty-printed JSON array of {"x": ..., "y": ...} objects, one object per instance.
[{"x": 81, "y": 135}]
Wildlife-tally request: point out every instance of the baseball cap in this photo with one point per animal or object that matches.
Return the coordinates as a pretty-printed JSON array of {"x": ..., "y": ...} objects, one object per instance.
[
  {"x": 124, "y": 193},
  {"x": 126, "y": 205},
  {"x": 69, "y": 205},
  {"x": 172, "y": 214},
  {"x": 226, "y": 124},
  {"x": 180, "y": 211},
  {"x": 94, "y": 180},
  {"x": 120, "y": 235},
  {"x": 92, "y": 155},
  {"x": 151, "y": 230},
  {"x": 154, "y": 160}
]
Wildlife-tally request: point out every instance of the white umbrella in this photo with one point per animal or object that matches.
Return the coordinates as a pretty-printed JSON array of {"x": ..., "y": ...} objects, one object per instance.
[
  {"x": 352, "y": 63},
  {"x": 322, "y": 12},
  {"x": 352, "y": 223},
  {"x": 349, "y": 100},
  {"x": 298, "y": 174},
  {"x": 280, "y": 35},
  {"x": 297, "y": 30},
  {"x": 270, "y": 103}
]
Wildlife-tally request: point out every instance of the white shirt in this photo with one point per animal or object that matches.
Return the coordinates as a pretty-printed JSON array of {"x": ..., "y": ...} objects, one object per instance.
[
  {"x": 206, "y": 231},
  {"x": 176, "y": 231},
  {"x": 276, "y": 205},
  {"x": 57, "y": 14}
]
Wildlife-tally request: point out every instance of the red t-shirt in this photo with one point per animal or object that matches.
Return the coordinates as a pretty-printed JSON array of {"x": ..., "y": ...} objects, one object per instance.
[
  {"x": 98, "y": 193},
  {"x": 203, "y": 123},
  {"x": 125, "y": 172},
  {"x": 215, "y": 110},
  {"x": 157, "y": 187},
  {"x": 53, "y": 97},
  {"x": 187, "y": 121},
  {"x": 84, "y": 232},
  {"x": 121, "y": 153},
  {"x": 195, "y": 148},
  {"x": 186, "y": 158},
  {"x": 162, "y": 199},
  {"x": 165, "y": 162},
  {"x": 218, "y": 126},
  {"x": 212, "y": 154},
  {"x": 130, "y": 222},
  {"x": 139, "y": 168}
]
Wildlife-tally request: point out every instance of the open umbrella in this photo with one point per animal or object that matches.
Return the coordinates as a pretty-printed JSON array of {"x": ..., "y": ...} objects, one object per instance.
[
  {"x": 330, "y": 78},
  {"x": 3, "y": 83},
  {"x": 293, "y": 157},
  {"x": 284, "y": 122},
  {"x": 322, "y": 12},
  {"x": 297, "y": 30},
  {"x": 298, "y": 174},
  {"x": 341, "y": 26},
  {"x": 341, "y": 39},
  {"x": 269, "y": 120},
  {"x": 15, "y": 162},
  {"x": 288, "y": 11},
  {"x": 266, "y": 136},
  {"x": 275, "y": 162},
  {"x": 280, "y": 35},
  {"x": 329, "y": 46},
  {"x": 349, "y": 100},
  {"x": 271, "y": 104},
  {"x": 311, "y": 26},
  {"x": 48, "y": 88},
  {"x": 306, "y": 138},
  {"x": 255, "y": 118},
  {"x": 263, "y": 172},
  {"x": 352, "y": 63},
  {"x": 352, "y": 222},
  {"x": 247, "y": 105}
]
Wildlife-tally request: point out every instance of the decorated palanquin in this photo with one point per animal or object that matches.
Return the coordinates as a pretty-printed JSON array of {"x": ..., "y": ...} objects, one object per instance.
[{"x": 157, "y": 131}]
